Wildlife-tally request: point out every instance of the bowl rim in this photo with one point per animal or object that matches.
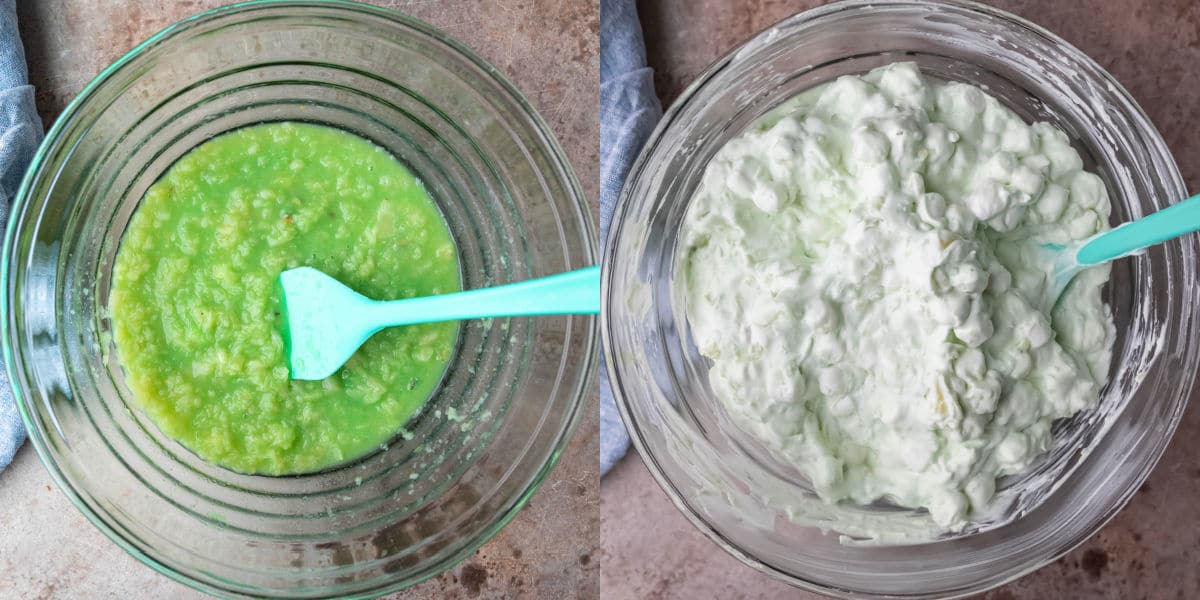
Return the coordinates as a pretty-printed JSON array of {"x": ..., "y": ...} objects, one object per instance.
[
  {"x": 671, "y": 115},
  {"x": 538, "y": 125}
]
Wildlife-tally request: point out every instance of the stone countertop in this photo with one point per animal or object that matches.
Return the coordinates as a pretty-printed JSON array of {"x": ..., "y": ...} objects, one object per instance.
[
  {"x": 1152, "y": 547},
  {"x": 550, "y": 48}
]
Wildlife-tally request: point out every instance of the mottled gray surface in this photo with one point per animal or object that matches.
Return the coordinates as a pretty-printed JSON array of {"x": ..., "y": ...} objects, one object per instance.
[
  {"x": 550, "y": 49},
  {"x": 1152, "y": 548}
]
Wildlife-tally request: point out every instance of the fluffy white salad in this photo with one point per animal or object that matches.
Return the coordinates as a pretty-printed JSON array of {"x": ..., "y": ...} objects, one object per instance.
[{"x": 859, "y": 266}]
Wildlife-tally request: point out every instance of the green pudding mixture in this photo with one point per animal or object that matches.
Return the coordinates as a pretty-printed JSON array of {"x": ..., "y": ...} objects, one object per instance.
[{"x": 196, "y": 307}]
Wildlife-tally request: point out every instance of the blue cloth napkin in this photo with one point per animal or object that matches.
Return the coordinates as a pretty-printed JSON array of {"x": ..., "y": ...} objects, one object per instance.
[
  {"x": 20, "y": 134},
  {"x": 628, "y": 112}
]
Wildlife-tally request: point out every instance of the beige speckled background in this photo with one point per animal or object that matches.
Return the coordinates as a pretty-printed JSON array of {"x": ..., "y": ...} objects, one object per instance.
[
  {"x": 1151, "y": 549},
  {"x": 550, "y": 49}
]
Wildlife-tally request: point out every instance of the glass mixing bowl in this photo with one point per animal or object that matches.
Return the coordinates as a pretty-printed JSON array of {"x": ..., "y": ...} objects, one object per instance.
[
  {"x": 514, "y": 391},
  {"x": 762, "y": 511}
]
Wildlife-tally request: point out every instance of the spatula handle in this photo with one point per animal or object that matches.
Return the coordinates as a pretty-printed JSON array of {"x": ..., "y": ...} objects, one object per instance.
[
  {"x": 574, "y": 292},
  {"x": 1168, "y": 223}
]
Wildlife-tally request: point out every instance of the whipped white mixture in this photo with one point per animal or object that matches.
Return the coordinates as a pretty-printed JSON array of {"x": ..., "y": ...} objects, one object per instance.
[{"x": 860, "y": 267}]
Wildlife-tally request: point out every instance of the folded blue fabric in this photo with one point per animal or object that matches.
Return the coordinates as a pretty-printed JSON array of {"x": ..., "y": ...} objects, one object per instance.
[
  {"x": 628, "y": 112},
  {"x": 20, "y": 134}
]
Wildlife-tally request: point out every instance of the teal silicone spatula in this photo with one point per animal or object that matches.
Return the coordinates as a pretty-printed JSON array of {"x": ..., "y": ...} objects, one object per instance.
[
  {"x": 327, "y": 321},
  {"x": 1125, "y": 240}
]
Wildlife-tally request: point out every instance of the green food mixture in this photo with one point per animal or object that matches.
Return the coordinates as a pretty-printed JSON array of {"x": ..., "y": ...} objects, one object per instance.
[{"x": 195, "y": 304}]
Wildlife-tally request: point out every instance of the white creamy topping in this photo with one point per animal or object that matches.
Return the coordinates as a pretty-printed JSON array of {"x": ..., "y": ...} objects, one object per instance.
[{"x": 861, "y": 268}]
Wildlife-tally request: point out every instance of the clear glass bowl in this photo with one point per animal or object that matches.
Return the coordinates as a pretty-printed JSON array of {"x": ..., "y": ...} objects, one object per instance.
[
  {"x": 517, "y": 387},
  {"x": 762, "y": 511}
]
